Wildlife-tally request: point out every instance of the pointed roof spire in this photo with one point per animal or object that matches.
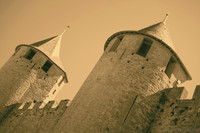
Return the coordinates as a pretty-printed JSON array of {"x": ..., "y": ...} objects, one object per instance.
[
  {"x": 165, "y": 19},
  {"x": 65, "y": 30},
  {"x": 56, "y": 50},
  {"x": 159, "y": 31},
  {"x": 51, "y": 47}
]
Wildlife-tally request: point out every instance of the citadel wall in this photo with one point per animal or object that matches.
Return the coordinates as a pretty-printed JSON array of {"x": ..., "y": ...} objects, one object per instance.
[
  {"x": 178, "y": 115},
  {"x": 32, "y": 118},
  {"x": 165, "y": 111}
]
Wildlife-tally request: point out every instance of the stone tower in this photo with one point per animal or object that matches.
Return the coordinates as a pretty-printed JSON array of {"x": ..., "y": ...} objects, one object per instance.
[
  {"x": 33, "y": 73},
  {"x": 134, "y": 65}
]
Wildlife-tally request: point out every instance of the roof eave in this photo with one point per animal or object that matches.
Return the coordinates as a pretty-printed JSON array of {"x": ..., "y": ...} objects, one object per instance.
[
  {"x": 188, "y": 76},
  {"x": 65, "y": 75}
]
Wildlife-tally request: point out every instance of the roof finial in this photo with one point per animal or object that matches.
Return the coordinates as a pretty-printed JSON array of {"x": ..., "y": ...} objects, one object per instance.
[
  {"x": 165, "y": 19},
  {"x": 65, "y": 30}
]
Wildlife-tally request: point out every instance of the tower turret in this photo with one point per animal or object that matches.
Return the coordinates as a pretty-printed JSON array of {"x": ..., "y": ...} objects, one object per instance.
[
  {"x": 134, "y": 65},
  {"x": 34, "y": 72}
]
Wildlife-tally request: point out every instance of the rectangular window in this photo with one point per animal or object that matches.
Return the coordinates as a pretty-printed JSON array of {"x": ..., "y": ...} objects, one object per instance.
[
  {"x": 144, "y": 48},
  {"x": 29, "y": 55},
  {"x": 116, "y": 43},
  {"x": 170, "y": 67},
  {"x": 61, "y": 81},
  {"x": 46, "y": 66},
  {"x": 54, "y": 91}
]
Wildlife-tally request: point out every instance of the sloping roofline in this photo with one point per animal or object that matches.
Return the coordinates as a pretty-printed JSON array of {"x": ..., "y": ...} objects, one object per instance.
[
  {"x": 65, "y": 75},
  {"x": 188, "y": 77}
]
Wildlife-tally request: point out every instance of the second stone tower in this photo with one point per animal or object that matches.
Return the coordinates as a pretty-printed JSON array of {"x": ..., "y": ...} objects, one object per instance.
[{"x": 134, "y": 63}]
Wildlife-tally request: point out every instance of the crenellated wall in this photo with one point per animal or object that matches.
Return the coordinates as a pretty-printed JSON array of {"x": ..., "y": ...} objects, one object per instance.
[
  {"x": 32, "y": 117},
  {"x": 165, "y": 111},
  {"x": 177, "y": 114}
]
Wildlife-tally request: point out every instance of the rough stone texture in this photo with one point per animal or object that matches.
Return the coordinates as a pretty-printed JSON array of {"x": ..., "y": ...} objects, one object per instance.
[
  {"x": 164, "y": 111},
  {"x": 116, "y": 80},
  {"x": 125, "y": 92},
  {"x": 177, "y": 115},
  {"x": 160, "y": 31},
  {"x": 35, "y": 119},
  {"x": 23, "y": 80}
]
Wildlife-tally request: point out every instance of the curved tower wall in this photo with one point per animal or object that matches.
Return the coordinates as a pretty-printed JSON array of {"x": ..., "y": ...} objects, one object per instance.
[
  {"x": 115, "y": 82},
  {"x": 24, "y": 80}
]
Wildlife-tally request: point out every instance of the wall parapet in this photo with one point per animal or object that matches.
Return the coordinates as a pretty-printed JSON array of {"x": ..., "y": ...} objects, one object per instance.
[
  {"x": 178, "y": 112},
  {"x": 36, "y": 116}
]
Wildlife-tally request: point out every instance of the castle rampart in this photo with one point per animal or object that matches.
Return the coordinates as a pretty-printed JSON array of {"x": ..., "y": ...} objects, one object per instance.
[
  {"x": 34, "y": 119},
  {"x": 161, "y": 112}
]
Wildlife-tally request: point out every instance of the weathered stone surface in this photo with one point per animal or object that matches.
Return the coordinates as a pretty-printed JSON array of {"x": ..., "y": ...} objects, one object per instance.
[
  {"x": 124, "y": 93},
  {"x": 23, "y": 80},
  {"x": 36, "y": 119},
  {"x": 113, "y": 84}
]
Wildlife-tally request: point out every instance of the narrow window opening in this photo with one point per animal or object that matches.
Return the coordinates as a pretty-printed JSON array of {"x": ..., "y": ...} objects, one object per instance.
[
  {"x": 61, "y": 81},
  {"x": 122, "y": 54},
  {"x": 129, "y": 110},
  {"x": 46, "y": 66},
  {"x": 170, "y": 67},
  {"x": 144, "y": 48},
  {"x": 121, "y": 38},
  {"x": 54, "y": 91},
  {"x": 116, "y": 43},
  {"x": 29, "y": 55}
]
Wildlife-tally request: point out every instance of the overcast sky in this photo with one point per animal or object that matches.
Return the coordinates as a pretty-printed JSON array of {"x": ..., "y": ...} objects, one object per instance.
[{"x": 92, "y": 22}]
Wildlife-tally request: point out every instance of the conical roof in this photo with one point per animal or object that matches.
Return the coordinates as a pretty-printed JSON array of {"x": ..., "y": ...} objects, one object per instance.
[
  {"x": 159, "y": 31},
  {"x": 50, "y": 47}
]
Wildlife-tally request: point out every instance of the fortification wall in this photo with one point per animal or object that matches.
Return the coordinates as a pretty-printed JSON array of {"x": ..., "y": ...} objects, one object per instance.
[
  {"x": 177, "y": 114},
  {"x": 165, "y": 111},
  {"x": 32, "y": 117}
]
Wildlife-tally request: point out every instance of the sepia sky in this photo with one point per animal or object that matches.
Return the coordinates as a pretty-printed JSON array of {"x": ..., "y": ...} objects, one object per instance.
[{"x": 91, "y": 23}]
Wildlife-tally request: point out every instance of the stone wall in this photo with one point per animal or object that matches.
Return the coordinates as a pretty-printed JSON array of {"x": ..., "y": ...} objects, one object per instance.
[
  {"x": 125, "y": 92},
  {"x": 176, "y": 114},
  {"x": 164, "y": 111},
  {"x": 110, "y": 89},
  {"x": 32, "y": 117}
]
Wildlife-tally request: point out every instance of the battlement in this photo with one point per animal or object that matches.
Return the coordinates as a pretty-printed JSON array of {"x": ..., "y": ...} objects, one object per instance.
[
  {"x": 33, "y": 115},
  {"x": 37, "y": 107},
  {"x": 177, "y": 113},
  {"x": 42, "y": 105},
  {"x": 167, "y": 109}
]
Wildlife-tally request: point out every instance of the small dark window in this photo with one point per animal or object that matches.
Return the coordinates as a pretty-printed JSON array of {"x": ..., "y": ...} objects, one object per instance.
[
  {"x": 144, "y": 48},
  {"x": 29, "y": 55},
  {"x": 61, "y": 81},
  {"x": 116, "y": 43},
  {"x": 54, "y": 91},
  {"x": 46, "y": 66},
  {"x": 170, "y": 67}
]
